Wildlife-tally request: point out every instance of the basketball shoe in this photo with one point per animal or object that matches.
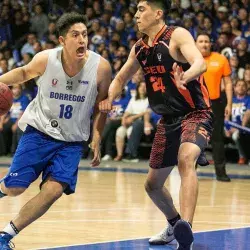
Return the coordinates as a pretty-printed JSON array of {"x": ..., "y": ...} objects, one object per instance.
[
  {"x": 164, "y": 237},
  {"x": 5, "y": 243},
  {"x": 183, "y": 235}
]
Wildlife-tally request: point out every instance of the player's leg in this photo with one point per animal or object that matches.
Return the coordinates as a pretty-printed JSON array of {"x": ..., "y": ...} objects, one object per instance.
[
  {"x": 196, "y": 131},
  {"x": 162, "y": 159},
  {"x": 51, "y": 191},
  {"x": 34, "y": 152}
]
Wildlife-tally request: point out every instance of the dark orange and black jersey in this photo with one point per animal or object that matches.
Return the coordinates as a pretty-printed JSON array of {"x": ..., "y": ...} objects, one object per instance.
[{"x": 164, "y": 96}]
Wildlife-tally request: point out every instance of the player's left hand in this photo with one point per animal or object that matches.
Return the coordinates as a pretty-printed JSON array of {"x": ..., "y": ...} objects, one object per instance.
[
  {"x": 178, "y": 76},
  {"x": 96, "y": 155},
  {"x": 228, "y": 111}
]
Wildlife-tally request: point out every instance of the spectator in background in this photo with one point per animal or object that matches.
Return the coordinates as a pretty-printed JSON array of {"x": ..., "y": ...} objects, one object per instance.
[
  {"x": 234, "y": 65},
  {"x": 3, "y": 66},
  {"x": 241, "y": 103},
  {"x": 141, "y": 128},
  {"x": 9, "y": 122},
  {"x": 133, "y": 114},
  {"x": 39, "y": 22},
  {"x": 246, "y": 78},
  {"x": 37, "y": 46},
  {"x": 243, "y": 54},
  {"x": 234, "y": 21},
  {"x": 19, "y": 29},
  {"x": 28, "y": 46},
  {"x": 217, "y": 69},
  {"x": 112, "y": 124}
]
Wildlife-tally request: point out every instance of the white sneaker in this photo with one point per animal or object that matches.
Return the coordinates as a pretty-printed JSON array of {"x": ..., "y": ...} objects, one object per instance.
[
  {"x": 106, "y": 158},
  {"x": 164, "y": 237}
]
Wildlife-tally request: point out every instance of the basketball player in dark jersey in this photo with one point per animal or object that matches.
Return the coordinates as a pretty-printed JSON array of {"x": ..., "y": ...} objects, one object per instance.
[{"x": 173, "y": 68}]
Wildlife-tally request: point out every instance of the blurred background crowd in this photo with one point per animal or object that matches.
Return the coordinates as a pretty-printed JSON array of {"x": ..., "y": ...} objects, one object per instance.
[{"x": 28, "y": 27}]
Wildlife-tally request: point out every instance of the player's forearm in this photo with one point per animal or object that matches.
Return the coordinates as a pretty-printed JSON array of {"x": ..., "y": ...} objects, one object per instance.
[
  {"x": 229, "y": 91},
  {"x": 197, "y": 68},
  {"x": 15, "y": 76},
  {"x": 115, "y": 88},
  {"x": 98, "y": 126}
]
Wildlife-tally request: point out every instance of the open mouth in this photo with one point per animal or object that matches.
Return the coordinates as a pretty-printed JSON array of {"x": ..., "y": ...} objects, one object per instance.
[{"x": 80, "y": 51}]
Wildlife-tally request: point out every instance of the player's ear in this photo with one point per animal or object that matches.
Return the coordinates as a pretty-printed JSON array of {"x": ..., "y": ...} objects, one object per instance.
[{"x": 61, "y": 40}]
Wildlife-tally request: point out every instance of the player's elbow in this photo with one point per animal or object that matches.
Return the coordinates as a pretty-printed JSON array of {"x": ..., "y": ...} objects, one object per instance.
[{"x": 203, "y": 66}]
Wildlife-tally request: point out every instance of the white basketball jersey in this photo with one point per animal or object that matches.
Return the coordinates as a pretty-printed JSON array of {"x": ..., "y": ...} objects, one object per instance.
[{"x": 63, "y": 105}]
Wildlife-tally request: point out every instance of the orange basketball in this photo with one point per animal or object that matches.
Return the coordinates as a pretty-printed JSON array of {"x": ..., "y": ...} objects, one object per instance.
[{"x": 6, "y": 98}]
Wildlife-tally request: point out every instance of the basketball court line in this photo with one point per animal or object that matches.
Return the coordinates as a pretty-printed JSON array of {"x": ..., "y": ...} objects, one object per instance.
[
  {"x": 106, "y": 242},
  {"x": 145, "y": 171}
]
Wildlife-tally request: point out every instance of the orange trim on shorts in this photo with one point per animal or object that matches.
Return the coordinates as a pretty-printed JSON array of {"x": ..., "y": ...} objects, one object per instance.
[
  {"x": 204, "y": 90},
  {"x": 184, "y": 92}
]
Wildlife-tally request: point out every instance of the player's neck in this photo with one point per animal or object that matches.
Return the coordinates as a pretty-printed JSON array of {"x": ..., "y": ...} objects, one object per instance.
[
  {"x": 72, "y": 66},
  {"x": 153, "y": 31}
]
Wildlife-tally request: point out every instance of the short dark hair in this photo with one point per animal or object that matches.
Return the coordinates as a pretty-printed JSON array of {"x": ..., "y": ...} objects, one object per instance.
[
  {"x": 67, "y": 20},
  {"x": 203, "y": 34},
  {"x": 165, "y": 5}
]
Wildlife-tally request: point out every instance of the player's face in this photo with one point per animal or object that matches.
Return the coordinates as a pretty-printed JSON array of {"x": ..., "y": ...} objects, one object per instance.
[
  {"x": 76, "y": 41},
  {"x": 145, "y": 16},
  {"x": 204, "y": 45}
]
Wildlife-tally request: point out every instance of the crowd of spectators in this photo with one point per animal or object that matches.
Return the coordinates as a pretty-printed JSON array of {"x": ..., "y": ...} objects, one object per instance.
[{"x": 28, "y": 27}]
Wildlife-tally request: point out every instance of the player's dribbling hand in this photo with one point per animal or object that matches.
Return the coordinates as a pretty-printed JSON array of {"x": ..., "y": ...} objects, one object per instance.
[
  {"x": 96, "y": 155},
  {"x": 105, "y": 106},
  {"x": 178, "y": 76}
]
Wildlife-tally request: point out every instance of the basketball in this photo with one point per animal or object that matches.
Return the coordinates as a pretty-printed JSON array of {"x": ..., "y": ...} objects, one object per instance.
[{"x": 6, "y": 99}]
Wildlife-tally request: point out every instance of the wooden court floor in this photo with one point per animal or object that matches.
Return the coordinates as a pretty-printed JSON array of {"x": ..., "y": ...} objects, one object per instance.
[{"x": 110, "y": 204}]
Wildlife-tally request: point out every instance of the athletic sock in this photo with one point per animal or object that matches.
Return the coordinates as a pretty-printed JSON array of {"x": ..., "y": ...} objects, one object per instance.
[
  {"x": 11, "y": 229},
  {"x": 174, "y": 220}
]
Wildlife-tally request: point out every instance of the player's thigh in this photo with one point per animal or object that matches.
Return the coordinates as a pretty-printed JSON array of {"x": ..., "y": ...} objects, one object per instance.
[
  {"x": 165, "y": 147},
  {"x": 33, "y": 153},
  {"x": 64, "y": 166}
]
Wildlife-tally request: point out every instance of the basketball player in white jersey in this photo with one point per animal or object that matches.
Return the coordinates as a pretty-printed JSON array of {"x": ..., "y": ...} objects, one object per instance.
[{"x": 72, "y": 81}]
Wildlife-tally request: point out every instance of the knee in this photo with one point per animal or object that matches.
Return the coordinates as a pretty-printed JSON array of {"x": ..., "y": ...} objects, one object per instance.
[
  {"x": 53, "y": 190},
  {"x": 186, "y": 162},
  {"x": 13, "y": 192},
  {"x": 151, "y": 187}
]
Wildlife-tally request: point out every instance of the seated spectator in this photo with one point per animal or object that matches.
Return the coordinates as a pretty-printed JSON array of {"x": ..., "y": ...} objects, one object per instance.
[
  {"x": 9, "y": 122},
  {"x": 141, "y": 128},
  {"x": 28, "y": 46},
  {"x": 113, "y": 123},
  {"x": 134, "y": 112},
  {"x": 241, "y": 103}
]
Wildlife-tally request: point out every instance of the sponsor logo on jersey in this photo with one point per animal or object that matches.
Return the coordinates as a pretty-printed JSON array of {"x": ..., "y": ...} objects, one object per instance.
[
  {"x": 83, "y": 82},
  {"x": 54, "y": 82},
  {"x": 69, "y": 85}
]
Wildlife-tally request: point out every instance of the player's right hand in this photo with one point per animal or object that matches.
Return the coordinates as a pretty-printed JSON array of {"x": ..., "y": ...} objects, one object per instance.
[{"x": 105, "y": 106}]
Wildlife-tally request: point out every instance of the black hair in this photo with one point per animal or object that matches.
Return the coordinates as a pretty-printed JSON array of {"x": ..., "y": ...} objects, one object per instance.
[
  {"x": 67, "y": 20},
  {"x": 203, "y": 34},
  {"x": 165, "y": 5},
  {"x": 137, "y": 95}
]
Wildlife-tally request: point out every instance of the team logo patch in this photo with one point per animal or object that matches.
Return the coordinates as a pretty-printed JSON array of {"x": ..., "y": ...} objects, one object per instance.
[
  {"x": 54, "y": 82},
  {"x": 159, "y": 56}
]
